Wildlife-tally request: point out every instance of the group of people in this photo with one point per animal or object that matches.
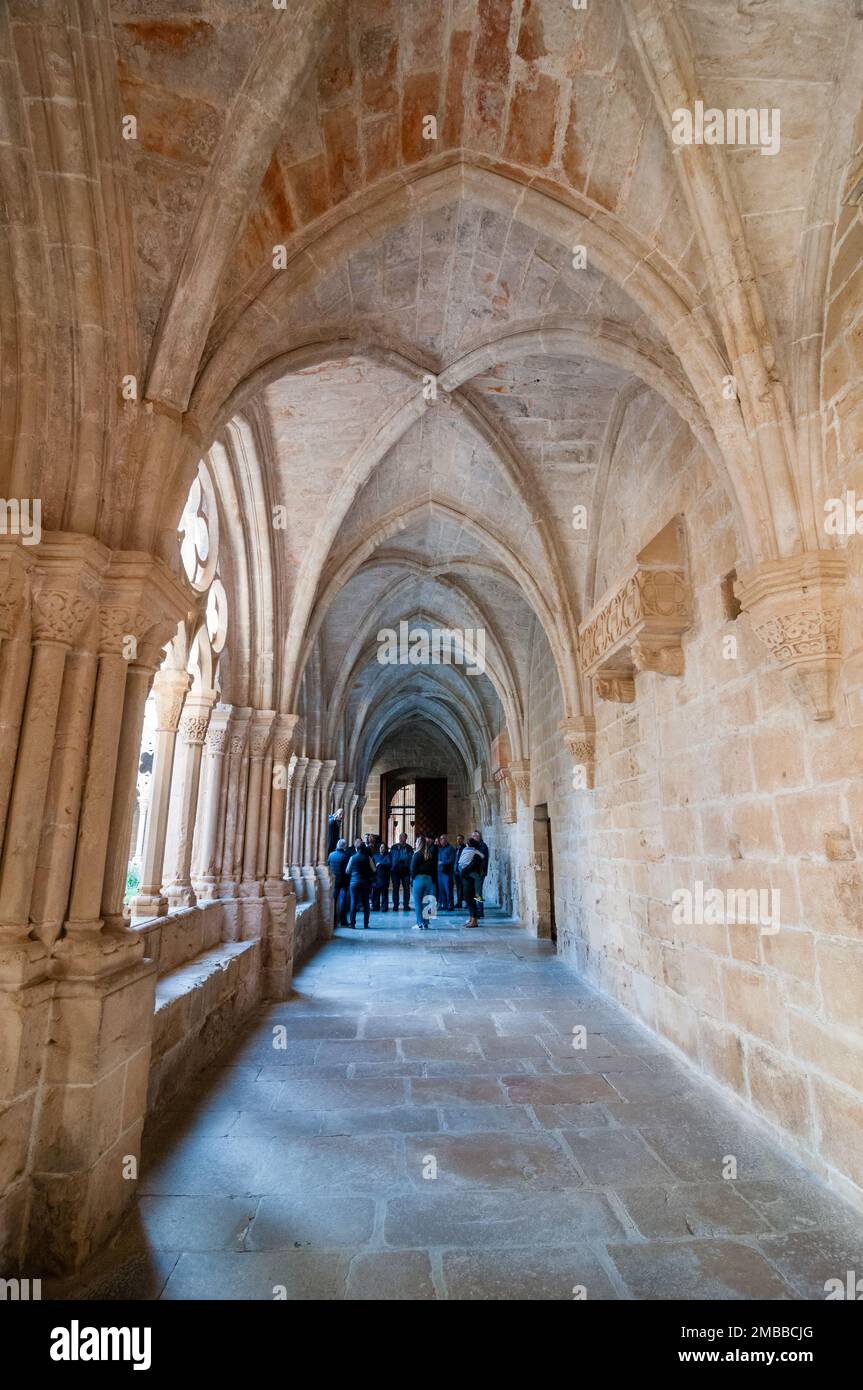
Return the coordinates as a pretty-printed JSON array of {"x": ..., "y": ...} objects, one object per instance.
[{"x": 438, "y": 876}]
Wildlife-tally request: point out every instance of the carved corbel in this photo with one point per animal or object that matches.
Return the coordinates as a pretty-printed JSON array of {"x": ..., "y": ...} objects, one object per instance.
[
  {"x": 579, "y": 735},
  {"x": 795, "y": 606},
  {"x": 520, "y": 775},
  {"x": 506, "y": 795},
  {"x": 619, "y": 688},
  {"x": 638, "y": 626}
]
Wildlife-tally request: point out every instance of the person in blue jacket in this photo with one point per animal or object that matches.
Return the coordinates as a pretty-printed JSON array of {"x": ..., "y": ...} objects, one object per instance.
[
  {"x": 445, "y": 872},
  {"x": 400, "y": 871},
  {"x": 337, "y": 861},
  {"x": 360, "y": 871},
  {"x": 381, "y": 880}
]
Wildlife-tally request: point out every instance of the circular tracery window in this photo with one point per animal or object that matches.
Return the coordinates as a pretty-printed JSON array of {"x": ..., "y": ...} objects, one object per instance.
[
  {"x": 217, "y": 615},
  {"x": 199, "y": 532}
]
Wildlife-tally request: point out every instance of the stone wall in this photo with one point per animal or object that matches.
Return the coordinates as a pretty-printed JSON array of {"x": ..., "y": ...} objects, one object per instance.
[{"x": 717, "y": 776}]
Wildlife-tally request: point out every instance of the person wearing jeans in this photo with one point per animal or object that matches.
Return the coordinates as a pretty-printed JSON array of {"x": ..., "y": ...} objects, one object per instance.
[{"x": 423, "y": 877}]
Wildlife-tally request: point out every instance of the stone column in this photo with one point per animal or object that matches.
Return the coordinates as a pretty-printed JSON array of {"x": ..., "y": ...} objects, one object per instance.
[
  {"x": 228, "y": 886},
  {"x": 289, "y": 816},
  {"x": 350, "y": 803},
  {"x": 143, "y": 786},
  {"x": 297, "y": 813},
  {"x": 15, "y": 654},
  {"x": 299, "y": 809},
  {"x": 282, "y": 735},
  {"x": 308, "y": 846},
  {"x": 313, "y": 772},
  {"x": 169, "y": 692},
  {"x": 264, "y": 815},
  {"x": 66, "y": 785},
  {"x": 280, "y": 897},
  {"x": 259, "y": 737},
  {"x": 194, "y": 722},
  {"x": 66, "y": 589},
  {"x": 240, "y": 833},
  {"x": 121, "y": 625},
  {"x": 358, "y": 814},
  {"x": 325, "y": 781},
  {"x": 205, "y": 876},
  {"x": 138, "y": 683}
]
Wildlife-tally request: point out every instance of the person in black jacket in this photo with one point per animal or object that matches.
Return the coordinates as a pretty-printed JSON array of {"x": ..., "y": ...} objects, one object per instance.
[
  {"x": 424, "y": 882},
  {"x": 472, "y": 866},
  {"x": 381, "y": 880},
  {"x": 483, "y": 849},
  {"x": 400, "y": 871},
  {"x": 341, "y": 884},
  {"x": 334, "y": 829},
  {"x": 360, "y": 871}
]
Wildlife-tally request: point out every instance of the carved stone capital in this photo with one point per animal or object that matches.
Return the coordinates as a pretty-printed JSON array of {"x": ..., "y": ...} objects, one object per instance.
[
  {"x": 141, "y": 604},
  {"x": 169, "y": 692},
  {"x": 195, "y": 719},
  {"x": 218, "y": 732},
  {"x": 283, "y": 734},
  {"x": 579, "y": 735},
  {"x": 795, "y": 606},
  {"x": 66, "y": 583},
  {"x": 313, "y": 772},
  {"x": 121, "y": 629},
  {"x": 300, "y": 773},
  {"x": 260, "y": 728}
]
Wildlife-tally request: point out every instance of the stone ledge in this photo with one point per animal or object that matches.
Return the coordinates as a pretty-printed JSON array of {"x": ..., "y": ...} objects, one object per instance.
[
  {"x": 182, "y": 935},
  {"x": 198, "y": 1006}
]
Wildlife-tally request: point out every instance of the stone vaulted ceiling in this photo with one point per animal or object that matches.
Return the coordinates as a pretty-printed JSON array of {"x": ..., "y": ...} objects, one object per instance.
[{"x": 425, "y": 341}]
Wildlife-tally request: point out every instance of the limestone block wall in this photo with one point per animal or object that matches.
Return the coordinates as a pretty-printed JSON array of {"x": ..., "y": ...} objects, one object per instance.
[{"x": 717, "y": 777}]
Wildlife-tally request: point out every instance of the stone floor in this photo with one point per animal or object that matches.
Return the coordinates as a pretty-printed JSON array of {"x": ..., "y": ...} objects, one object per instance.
[{"x": 430, "y": 1131}]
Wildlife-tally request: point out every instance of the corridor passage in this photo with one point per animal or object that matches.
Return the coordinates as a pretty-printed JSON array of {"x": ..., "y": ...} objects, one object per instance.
[{"x": 429, "y": 1131}]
